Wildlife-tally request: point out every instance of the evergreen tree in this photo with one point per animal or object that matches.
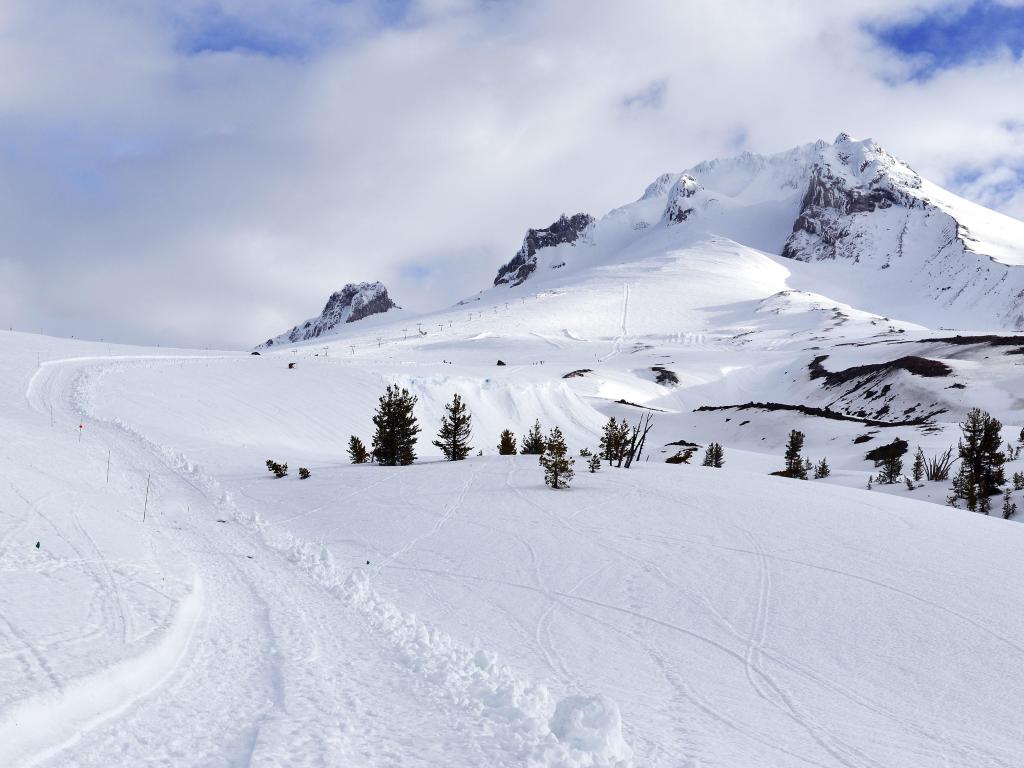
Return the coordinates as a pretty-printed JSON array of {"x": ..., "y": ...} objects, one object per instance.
[
  {"x": 609, "y": 445},
  {"x": 1020, "y": 438},
  {"x": 394, "y": 442},
  {"x": 533, "y": 442},
  {"x": 981, "y": 461},
  {"x": 357, "y": 451},
  {"x": 822, "y": 469},
  {"x": 594, "y": 462},
  {"x": 456, "y": 430},
  {"x": 1009, "y": 508},
  {"x": 622, "y": 442},
  {"x": 892, "y": 468},
  {"x": 303, "y": 473},
  {"x": 507, "y": 443},
  {"x": 714, "y": 456},
  {"x": 794, "y": 461},
  {"x": 917, "y": 471},
  {"x": 1018, "y": 481},
  {"x": 557, "y": 464},
  {"x": 278, "y": 470}
]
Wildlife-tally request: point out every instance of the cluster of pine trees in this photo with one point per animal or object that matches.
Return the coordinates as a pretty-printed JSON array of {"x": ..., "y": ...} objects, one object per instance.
[
  {"x": 981, "y": 465},
  {"x": 981, "y": 474},
  {"x": 280, "y": 470},
  {"x": 797, "y": 465},
  {"x": 622, "y": 444},
  {"x": 396, "y": 429}
]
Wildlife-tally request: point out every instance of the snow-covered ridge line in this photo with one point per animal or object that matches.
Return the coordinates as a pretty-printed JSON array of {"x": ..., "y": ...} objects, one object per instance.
[{"x": 535, "y": 729}]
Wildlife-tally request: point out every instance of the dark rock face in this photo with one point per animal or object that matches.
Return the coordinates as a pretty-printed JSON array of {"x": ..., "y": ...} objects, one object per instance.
[
  {"x": 353, "y": 302},
  {"x": 679, "y": 209},
  {"x": 565, "y": 230},
  {"x": 919, "y": 366},
  {"x": 893, "y": 450},
  {"x": 826, "y": 204}
]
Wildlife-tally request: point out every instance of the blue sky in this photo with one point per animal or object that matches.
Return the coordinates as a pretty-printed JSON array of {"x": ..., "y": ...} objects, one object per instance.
[
  {"x": 952, "y": 37},
  {"x": 285, "y": 29}
]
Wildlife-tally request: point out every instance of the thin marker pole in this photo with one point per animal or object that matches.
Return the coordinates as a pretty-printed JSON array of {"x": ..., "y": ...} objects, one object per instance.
[
  {"x": 145, "y": 504},
  {"x": 108, "y": 466}
]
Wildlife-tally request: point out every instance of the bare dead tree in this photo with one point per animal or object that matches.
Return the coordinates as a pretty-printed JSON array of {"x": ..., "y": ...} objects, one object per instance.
[{"x": 637, "y": 437}]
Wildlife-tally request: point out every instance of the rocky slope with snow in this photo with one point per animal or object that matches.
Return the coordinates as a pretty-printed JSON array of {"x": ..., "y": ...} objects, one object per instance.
[{"x": 353, "y": 302}]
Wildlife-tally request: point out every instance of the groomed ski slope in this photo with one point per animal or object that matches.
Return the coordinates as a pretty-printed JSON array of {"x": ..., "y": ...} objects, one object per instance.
[{"x": 664, "y": 616}]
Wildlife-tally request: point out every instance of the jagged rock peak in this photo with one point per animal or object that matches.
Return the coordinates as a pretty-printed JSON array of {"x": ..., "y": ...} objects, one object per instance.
[
  {"x": 353, "y": 302},
  {"x": 567, "y": 230},
  {"x": 680, "y": 206}
]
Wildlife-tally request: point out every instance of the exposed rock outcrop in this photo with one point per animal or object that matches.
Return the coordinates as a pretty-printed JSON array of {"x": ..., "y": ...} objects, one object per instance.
[
  {"x": 352, "y": 303},
  {"x": 567, "y": 230}
]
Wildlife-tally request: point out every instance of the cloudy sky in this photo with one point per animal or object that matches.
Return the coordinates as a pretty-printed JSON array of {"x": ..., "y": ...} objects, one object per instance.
[{"x": 205, "y": 172}]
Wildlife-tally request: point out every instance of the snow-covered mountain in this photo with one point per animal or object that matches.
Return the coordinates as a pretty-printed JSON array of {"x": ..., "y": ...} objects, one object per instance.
[
  {"x": 880, "y": 237},
  {"x": 353, "y": 302}
]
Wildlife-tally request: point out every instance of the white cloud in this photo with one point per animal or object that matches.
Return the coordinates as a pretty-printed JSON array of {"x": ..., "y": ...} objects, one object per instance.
[{"x": 219, "y": 197}]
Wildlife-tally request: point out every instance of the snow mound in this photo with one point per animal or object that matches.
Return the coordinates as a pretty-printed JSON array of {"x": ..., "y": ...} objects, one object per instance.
[{"x": 590, "y": 728}]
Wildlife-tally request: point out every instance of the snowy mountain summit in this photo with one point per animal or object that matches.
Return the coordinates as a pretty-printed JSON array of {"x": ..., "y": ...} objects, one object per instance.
[
  {"x": 881, "y": 237},
  {"x": 353, "y": 302}
]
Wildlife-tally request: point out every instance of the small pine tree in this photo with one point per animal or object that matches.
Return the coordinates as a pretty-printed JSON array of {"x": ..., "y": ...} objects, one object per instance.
[
  {"x": 278, "y": 470},
  {"x": 507, "y": 443},
  {"x": 609, "y": 441},
  {"x": 822, "y": 469},
  {"x": 303, "y": 473},
  {"x": 870, "y": 480},
  {"x": 585, "y": 453},
  {"x": 1018, "y": 481},
  {"x": 594, "y": 463},
  {"x": 1020, "y": 437},
  {"x": 892, "y": 468},
  {"x": 456, "y": 430},
  {"x": 794, "y": 461},
  {"x": 533, "y": 442},
  {"x": 714, "y": 456},
  {"x": 681, "y": 457},
  {"x": 357, "y": 451},
  {"x": 1009, "y": 508},
  {"x": 394, "y": 442},
  {"x": 622, "y": 442},
  {"x": 557, "y": 464},
  {"x": 917, "y": 471},
  {"x": 909, "y": 482}
]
